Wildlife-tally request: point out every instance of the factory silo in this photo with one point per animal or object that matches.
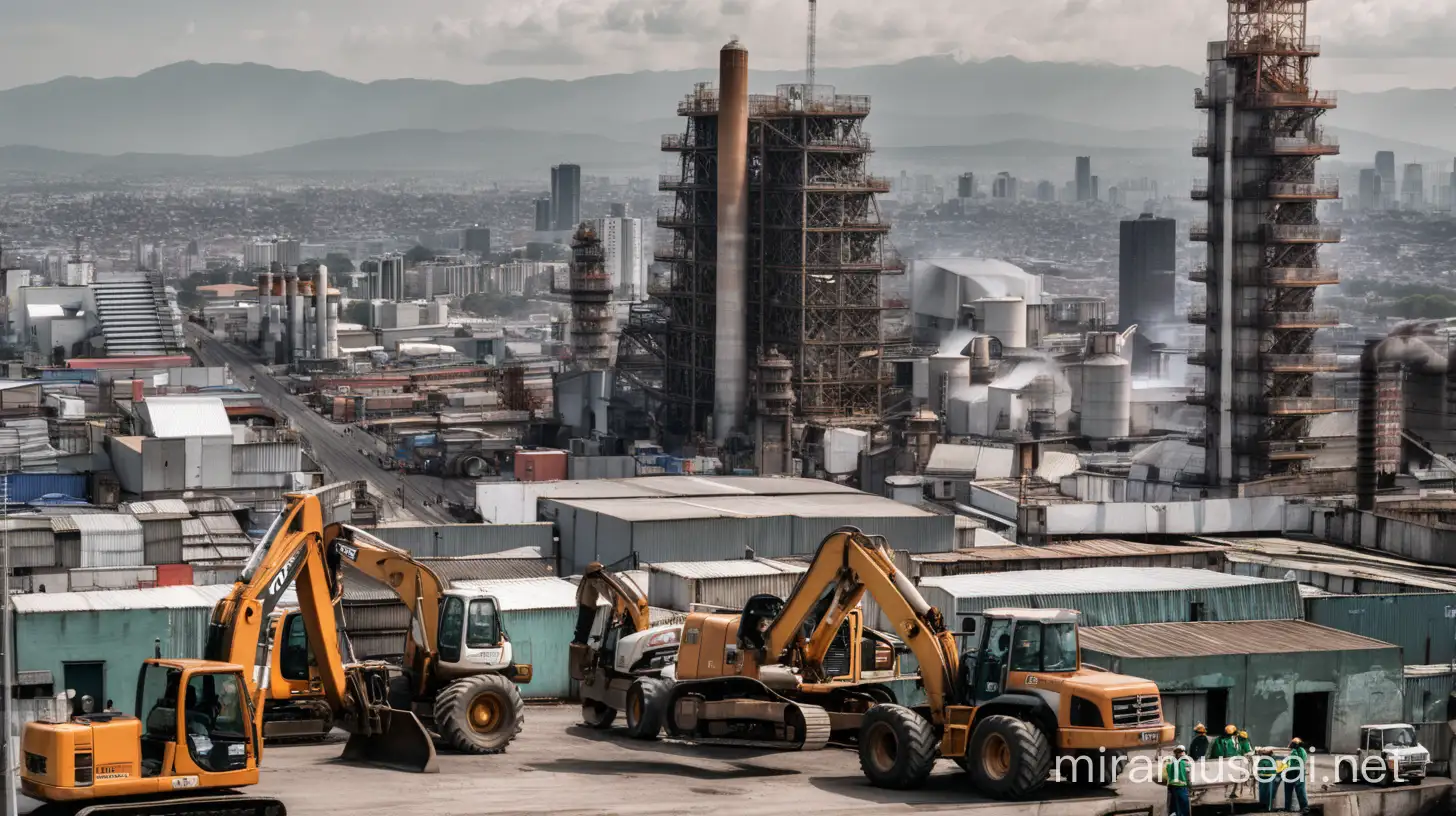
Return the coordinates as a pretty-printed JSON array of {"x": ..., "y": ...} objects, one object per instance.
[
  {"x": 1106, "y": 389},
  {"x": 1003, "y": 318}
]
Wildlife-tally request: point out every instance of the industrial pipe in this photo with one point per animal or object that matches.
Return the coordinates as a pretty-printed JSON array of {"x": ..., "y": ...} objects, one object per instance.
[
  {"x": 1365, "y": 427},
  {"x": 730, "y": 346},
  {"x": 321, "y": 311}
]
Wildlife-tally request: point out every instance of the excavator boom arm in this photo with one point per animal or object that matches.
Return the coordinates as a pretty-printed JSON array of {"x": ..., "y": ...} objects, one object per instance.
[{"x": 599, "y": 583}]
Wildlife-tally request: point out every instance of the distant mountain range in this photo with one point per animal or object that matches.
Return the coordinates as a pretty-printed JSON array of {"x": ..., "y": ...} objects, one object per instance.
[{"x": 191, "y": 117}]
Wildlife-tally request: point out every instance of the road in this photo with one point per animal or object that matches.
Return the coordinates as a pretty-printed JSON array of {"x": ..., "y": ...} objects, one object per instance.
[{"x": 336, "y": 448}]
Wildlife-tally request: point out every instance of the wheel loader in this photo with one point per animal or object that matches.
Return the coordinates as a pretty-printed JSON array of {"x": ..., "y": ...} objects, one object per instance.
[
  {"x": 1005, "y": 698},
  {"x": 197, "y": 727},
  {"x": 620, "y": 659}
]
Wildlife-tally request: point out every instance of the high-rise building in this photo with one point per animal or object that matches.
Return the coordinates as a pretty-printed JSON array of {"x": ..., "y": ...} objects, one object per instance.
[
  {"x": 1413, "y": 187},
  {"x": 288, "y": 252},
  {"x": 1084, "y": 179},
  {"x": 966, "y": 186},
  {"x": 1385, "y": 167},
  {"x": 621, "y": 240},
  {"x": 476, "y": 239},
  {"x": 1147, "y": 257},
  {"x": 1046, "y": 192},
  {"x": 258, "y": 255},
  {"x": 566, "y": 195},
  {"x": 1004, "y": 186},
  {"x": 1263, "y": 240},
  {"x": 1096, "y": 189},
  {"x": 545, "y": 215},
  {"x": 1369, "y": 189}
]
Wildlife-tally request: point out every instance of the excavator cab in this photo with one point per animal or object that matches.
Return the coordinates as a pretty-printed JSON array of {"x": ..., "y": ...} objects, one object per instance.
[
  {"x": 472, "y": 638},
  {"x": 194, "y": 729}
]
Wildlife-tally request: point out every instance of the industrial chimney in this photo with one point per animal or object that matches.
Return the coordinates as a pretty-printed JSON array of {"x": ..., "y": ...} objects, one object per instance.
[
  {"x": 730, "y": 346},
  {"x": 1365, "y": 427},
  {"x": 321, "y": 311}
]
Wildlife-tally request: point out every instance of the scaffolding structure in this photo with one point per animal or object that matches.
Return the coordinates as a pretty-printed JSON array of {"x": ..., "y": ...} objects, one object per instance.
[
  {"x": 1263, "y": 146},
  {"x": 817, "y": 248},
  {"x": 590, "y": 288}
]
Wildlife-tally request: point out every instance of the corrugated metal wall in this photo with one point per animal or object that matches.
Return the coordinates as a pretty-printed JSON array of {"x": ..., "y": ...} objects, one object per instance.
[
  {"x": 217, "y": 462},
  {"x": 541, "y": 637},
  {"x": 32, "y": 543},
  {"x": 162, "y": 541},
  {"x": 1273, "y": 601},
  {"x": 1421, "y": 624},
  {"x": 267, "y": 457},
  {"x": 1427, "y": 697},
  {"x": 680, "y": 593},
  {"x": 921, "y": 534},
  {"x": 455, "y": 540},
  {"x": 26, "y": 487},
  {"x": 110, "y": 540}
]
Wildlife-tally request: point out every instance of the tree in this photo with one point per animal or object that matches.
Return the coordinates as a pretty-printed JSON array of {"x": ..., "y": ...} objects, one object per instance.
[{"x": 418, "y": 254}]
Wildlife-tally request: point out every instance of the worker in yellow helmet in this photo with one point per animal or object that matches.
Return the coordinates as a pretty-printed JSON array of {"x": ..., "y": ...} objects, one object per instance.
[
  {"x": 1244, "y": 747},
  {"x": 1227, "y": 745},
  {"x": 1198, "y": 748}
]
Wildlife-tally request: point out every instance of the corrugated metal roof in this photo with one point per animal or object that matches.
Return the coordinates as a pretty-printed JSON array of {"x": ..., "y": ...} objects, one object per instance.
[
  {"x": 181, "y": 417},
  {"x": 985, "y": 461},
  {"x": 529, "y": 593},
  {"x": 13, "y": 524},
  {"x": 159, "y": 509},
  {"x": 1091, "y": 548},
  {"x": 170, "y": 597},
  {"x": 212, "y": 504},
  {"x": 1435, "y": 670},
  {"x": 488, "y": 568},
  {"x": 64, "y": 524},
  {"x": 1090, "y": 580},
  {"x": 724, "y": 569},
  {"x": 856, "y": 504},
  {"x": 106, "y": 524},
  {"x": 1207, "y": 639}
]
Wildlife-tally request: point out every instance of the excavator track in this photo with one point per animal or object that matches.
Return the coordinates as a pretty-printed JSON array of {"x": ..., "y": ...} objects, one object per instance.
[
  {"x": 809, "y": 724},
  {"x": 218, "y": 805}
]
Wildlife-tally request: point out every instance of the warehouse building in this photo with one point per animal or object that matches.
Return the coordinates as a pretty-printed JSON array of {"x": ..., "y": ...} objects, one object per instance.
[
  {"x": 1067, "y": 555},
  {"x": 1275, "y": 679},
  {"x": 679, "y": 585},
  {"x": 1422, "y": 624},
  {"x": 1118, "y": 596},
  {"x": 514, "y": 502}
]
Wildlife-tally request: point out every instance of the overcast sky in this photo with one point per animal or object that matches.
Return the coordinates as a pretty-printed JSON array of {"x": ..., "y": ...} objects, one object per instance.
[{"x": 1369, "y": 44}]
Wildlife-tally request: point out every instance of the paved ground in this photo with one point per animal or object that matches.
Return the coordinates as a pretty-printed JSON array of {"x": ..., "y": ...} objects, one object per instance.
[
  {"x": 337, "y": 452},
  {"x": 558, "y": 766}
]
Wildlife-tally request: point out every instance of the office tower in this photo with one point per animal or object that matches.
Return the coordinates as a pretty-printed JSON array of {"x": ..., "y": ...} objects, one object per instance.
[
  {"x": 621, "y": 240},
  {"x": 966, "y": 187},
  {"x": 1084, "y": 179},
  {"x": 1369, "y": 189},
  {"x": 816, "y": 253},
  {"x": 1413, "y": 187},
  {"x": 476, "y": 239},
  {"x": 545, "y": 215},
  {"x": 1046, "y": 192},
  {"x": 566, "y": 196},
  {"x": 1385, "y": 167},
  {"x": 1147, "y": 256},
  {"x": 1263, "y": 241}
]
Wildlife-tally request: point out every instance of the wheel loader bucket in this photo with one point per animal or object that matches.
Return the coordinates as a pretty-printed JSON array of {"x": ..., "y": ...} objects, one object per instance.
[{"x": 404, "y": 744}]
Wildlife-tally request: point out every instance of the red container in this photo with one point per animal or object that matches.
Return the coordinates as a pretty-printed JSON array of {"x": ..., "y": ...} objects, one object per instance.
[
  {"x": 174, "y": 575},
  {"x": 540, "y": 465}
]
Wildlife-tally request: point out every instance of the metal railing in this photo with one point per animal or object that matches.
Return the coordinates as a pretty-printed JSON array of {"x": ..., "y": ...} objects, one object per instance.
[
  {"x": 1326, "y": 187},
  {"x": 1199, "y": 273},
  {"x": 1198, "y": 231},
  {"x": 1299, "y": 362},
  {"x": 1316, "y": 143},
  {"x": 1202, "y": 147},
  {"x": 1203, "y": 97},
  {"x": 1302, "y": 233},
  {"x": 1301, "y": 276},
  {"x": 1200, "y": 190},
  {"x": 1292, "y": 99},
  {"x": 1291, "y": 406},
  {"x": 674, "y": 141},
  {"x": 1308, "y": 47},
  {"x": 1197, "y": 314},
  {"x": 1312, "y": 319}
]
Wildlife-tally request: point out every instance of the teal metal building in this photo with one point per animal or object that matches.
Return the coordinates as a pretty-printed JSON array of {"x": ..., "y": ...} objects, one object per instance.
[{"x": 1422, "y": 624}]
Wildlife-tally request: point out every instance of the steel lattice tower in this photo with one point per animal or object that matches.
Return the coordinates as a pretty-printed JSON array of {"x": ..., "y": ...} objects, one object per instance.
[
  {"x": 1263, "y": 146},
  {"x": 817, "y": 248}
]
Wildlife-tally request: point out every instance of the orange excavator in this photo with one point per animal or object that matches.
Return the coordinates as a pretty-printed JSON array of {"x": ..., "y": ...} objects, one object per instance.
[
  {"x": 198, "y": 725},
  {"x": 1004, "y": 706}
]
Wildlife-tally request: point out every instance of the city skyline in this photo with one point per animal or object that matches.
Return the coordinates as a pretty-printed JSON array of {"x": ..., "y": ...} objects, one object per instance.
[{"x": 1368, "y": 47}]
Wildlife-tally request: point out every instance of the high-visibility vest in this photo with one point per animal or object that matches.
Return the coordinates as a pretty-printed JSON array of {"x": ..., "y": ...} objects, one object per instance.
[{"x": 1175, "y": 771}]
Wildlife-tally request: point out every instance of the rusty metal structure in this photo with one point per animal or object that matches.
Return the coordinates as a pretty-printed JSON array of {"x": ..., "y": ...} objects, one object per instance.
[
  {"x": 1263, "y": 146},
  {"x": 590, "y": 288},
  {"x": 816, "y": 250}
]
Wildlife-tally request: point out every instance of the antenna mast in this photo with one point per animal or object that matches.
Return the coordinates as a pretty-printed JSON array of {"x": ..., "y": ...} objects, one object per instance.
[{"x": 809, "y": 67}]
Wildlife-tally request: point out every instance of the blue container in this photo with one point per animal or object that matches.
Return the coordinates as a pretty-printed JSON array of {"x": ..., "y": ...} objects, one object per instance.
[{"x": 27, "y": 487}]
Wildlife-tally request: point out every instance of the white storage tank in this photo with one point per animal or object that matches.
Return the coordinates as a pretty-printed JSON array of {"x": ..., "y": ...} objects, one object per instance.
[
  {"x": 951, "y": 372},
  {"x": 1003, "y": 318},
  {"x": 1106, "y": 390},
  {"x": 906, "y": 489}
]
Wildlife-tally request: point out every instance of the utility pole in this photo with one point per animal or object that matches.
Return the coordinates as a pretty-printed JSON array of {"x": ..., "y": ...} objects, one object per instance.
[{"x": 7, "y": 684}]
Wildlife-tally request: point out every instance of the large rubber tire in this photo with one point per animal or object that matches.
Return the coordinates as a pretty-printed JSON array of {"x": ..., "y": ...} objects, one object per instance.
[
  {"x": 1009, "y": 758},
  {"x": 896, "y": 747},
  {"x": 597, "y": 714},
  {"x": 480, "y": 714},
  {"x": 646, "y": 703}
]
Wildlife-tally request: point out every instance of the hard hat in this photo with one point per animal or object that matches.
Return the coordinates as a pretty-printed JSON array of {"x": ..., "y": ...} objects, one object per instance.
[
  {"x": 1244, "y": 734},
  {"x": 1295, "y": 741},
  {"x": 1230, "y": 730},
  {"x": 1200, "y": 729},
  {"x": 1179, "y": 748}
]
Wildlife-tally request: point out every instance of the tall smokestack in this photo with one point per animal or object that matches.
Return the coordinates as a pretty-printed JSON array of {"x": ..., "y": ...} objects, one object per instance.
[
  {"x": 730, "y": 345},
  {"x": 265, "y": 296},
  {"x": 332, "y": 350},
  {"x": 294, "y": 307},
  {"x": 321, "y": 311},
  {"x": 1365, "y": 427}
]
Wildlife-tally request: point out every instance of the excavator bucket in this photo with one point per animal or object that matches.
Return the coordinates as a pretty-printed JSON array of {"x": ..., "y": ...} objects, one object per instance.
[{"x": 403, "y": 744}]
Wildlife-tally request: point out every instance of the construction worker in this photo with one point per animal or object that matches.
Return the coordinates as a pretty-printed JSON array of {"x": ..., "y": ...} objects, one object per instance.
[
  {"x": 1227, "y": 745},
  {"x": 1198, "y": 748},
  {"x": 1266, "y": 774},
  {"x": 1296, "y": 772},
  {"x": 1175, "y": 773},
  {"x": 1245, "y": 749}
]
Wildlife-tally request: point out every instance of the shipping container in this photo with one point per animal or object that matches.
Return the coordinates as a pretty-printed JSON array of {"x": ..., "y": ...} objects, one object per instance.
[
  {"x": 540, "y": 465},
  {"x": 174, "y": 574},
  {"x": 27, "y": 487}
]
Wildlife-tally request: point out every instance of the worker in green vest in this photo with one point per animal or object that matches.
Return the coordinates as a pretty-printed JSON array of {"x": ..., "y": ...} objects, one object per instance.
[
  {"x": 1266, "y": 775},
  {"x": 1296, "y": 773},
  {"x": 1175, "y": 773},
  {"x": 1245, "y": 749},
  {"x": 1198, "y": 748},
  {"x": 1227, "y": 745}
]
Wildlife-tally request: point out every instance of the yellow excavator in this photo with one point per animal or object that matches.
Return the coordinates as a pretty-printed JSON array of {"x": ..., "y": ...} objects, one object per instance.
[
  {"x": 294, "y": 707},
  {"x": 1001, "y": 705},
  {"x": 197, "y": 731},
  {"x": 617, "y": 655}
]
